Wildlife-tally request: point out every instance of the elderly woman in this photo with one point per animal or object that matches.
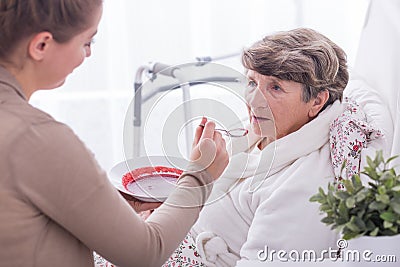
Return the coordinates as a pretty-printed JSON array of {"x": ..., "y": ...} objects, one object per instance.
[{"x": 296, "y": 81}]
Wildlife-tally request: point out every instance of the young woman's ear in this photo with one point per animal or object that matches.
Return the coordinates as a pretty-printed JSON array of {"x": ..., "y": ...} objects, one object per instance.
[
  {"x": 39, "y": 45},
  {"x": 318, "y": 103}
]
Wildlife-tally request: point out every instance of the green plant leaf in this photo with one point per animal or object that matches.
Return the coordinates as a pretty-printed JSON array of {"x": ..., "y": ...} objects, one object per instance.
[
  {"x": 342, "y": 195},
  {"x": 325, "y": 207},
  {"x": 382, "y": 198},
  {"x": 343, "y": 165},
  {"x": 387, "y": 224},
  {"x": 387, "y": 174},
  {"x": 379, "y": 158},
  {"x": 381, "y": 190},
  {"x": 391, "y": 158},
  {"x": 387, "y": 232},
  {"x": 350, "y": 235},
  {"x": 360, "y": 196},
  {"x": 353, "y": 227},
  {"x": 343, "y": 211},
  {"x": 388, "y": 216},
  {"x": 370, "y": 163},
  {"x": 328, "y": 220},
  {"x": 356, "y": 224},
  {"x": 374, "y": 232},
  {"x": 349, "y": 186},
  {"x": 350, "y": 202},
  {"x": 396, "y": 188},
  {"x": 321, "y": 191},
  {"x": 356, "y": 182},
  {"x": 317, "y": 198},
  {"x": 395, "y": 206},
  {"x": 370, "y": 225},
  {"x": 361, "y": 212},
  {"x": 357, "y": 210},
  {"x": 389, "y": 182},
  {"x": 394, "y": 229},
  {"x": 330, "y": 199},
  {"x": 371, "y": 172},
  {"x": 377, "y": 206},
  {"x": 360, "y": 223},
  {"x": 342, "y": 220}
]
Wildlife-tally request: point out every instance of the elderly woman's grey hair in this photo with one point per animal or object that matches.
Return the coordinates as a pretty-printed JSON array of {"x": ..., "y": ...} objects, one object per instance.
[{"x": 302, "y": 55}]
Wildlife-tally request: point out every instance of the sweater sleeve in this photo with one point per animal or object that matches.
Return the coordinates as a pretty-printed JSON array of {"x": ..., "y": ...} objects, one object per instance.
[{"x": 56, "y": 173}]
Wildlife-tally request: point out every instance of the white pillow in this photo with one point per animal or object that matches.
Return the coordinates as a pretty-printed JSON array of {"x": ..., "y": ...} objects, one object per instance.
[{"x": 377, "y": 113}]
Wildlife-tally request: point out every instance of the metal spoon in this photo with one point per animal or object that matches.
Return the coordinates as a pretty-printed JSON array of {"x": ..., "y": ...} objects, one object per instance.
[{"x": 237, "y": 132}]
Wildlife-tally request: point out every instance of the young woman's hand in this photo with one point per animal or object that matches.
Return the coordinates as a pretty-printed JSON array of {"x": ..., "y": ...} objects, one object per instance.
[
  {"x": 209, "y": 149},
  {"x": 140, "y": 206}
]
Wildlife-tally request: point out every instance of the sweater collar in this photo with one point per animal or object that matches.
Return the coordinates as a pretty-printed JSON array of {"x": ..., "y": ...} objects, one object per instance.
[{"x": 9, "y": 80}]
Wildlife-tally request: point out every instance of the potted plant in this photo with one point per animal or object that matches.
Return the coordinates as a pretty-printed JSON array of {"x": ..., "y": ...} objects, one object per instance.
[{"x": 365, "y": 210}]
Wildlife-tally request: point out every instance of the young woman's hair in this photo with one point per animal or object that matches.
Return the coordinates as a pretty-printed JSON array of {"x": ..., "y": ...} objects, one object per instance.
[
  {"x": 20, "y": 19},
  {"x": 304, "y": 56}
]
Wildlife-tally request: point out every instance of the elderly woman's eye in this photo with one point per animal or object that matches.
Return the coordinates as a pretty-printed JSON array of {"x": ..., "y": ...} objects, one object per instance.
[
  {"x": 251, "y": 84},
  {"x": 276, "y": 88}
]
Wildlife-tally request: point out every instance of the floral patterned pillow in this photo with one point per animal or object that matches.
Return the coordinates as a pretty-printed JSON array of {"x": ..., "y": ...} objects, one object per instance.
[{"x": 349, "y": 134}]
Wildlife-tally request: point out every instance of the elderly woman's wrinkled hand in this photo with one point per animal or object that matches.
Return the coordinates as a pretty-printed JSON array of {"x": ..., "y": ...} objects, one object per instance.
[{"x": 209, "y": 149}]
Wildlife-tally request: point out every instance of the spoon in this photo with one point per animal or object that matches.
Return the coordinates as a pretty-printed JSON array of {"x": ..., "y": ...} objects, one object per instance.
[{"x": 237, "y": 132}]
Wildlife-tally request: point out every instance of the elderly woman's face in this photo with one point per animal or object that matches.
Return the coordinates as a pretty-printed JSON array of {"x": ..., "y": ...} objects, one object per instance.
[{"x": 276, "y": 107}]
